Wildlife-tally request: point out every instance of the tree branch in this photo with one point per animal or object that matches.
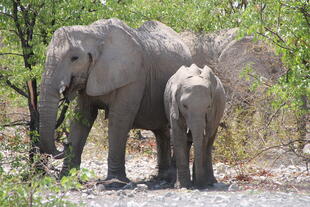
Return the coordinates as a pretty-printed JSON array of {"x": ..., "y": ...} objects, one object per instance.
[
  {"x": 63, "y": 113},
  {"x": 273, "y": 115},
  {"x": 276, "y": 146},
  {"x": 302, "y": 9},
  {"x": 9, "y": 30},
  {"x": 274, "y": 33},
  {"x": 6, "y": 14},
  {"x": 258, "y": 79},
  {"x": 287, "y": 48},
  {"x": 15, "y": 17},
  {"x": 18, "y": 90},
  {"x": 11, "y": 53},
  {"x": 16, "y": 123}
]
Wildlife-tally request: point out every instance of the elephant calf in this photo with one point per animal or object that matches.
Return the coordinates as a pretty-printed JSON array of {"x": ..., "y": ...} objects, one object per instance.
[{"x": 194, "y": 103}]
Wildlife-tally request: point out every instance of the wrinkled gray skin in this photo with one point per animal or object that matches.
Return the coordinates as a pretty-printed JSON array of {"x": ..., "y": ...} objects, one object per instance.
[
  {"x": 110, "y": 66},
  {"x": 194, "y": 103},
  {"x": 228, "y": 56}
]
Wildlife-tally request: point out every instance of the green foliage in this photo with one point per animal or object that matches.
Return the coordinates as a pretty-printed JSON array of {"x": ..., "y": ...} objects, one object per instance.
[
  {"x": 197, "y": 15},
  {"x": 286, "y": 25},
  {"x": 23, "y": 185}
]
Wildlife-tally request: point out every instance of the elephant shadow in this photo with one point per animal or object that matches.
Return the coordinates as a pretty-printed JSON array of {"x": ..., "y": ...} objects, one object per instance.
[{"x": 154, "y": 183}]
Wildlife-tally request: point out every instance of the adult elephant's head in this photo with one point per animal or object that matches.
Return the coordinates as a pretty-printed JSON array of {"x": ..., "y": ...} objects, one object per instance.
[{"x": 96, "y": 59}]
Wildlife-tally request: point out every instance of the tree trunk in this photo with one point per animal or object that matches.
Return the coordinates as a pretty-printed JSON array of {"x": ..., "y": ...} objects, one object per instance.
[{"x": 34, "y": 118}]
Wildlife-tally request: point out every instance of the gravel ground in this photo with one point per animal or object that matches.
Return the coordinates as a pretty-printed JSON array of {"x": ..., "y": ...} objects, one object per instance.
[
  {"x": 191, "y": 198},
  {"x": 281, "y": 182},
  {"x": 283, "y": 185}
]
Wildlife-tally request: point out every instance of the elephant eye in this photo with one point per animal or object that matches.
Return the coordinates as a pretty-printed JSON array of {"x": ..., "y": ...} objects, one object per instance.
[
  {"x": 74, "y": 58},
  {"x": 185, "y": 106}
]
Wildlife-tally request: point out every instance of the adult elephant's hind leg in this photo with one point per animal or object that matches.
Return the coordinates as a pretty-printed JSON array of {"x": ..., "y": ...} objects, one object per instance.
[{"x": 165, "y": 169}]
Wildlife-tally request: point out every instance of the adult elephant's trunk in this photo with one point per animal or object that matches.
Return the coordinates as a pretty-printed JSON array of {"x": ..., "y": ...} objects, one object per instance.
[{"x": 48, "y": 105}]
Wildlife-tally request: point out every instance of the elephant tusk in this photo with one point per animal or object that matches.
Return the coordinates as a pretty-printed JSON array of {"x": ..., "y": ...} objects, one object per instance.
[
  {"x": 187, "y": 130},
  {"x": 204, "y": 133}
]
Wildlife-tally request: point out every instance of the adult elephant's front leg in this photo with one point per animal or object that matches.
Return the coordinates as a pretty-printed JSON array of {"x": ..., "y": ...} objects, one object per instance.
[
  {"x": 122, "y": 113},
  {"x": 85, "y": 115},
  {"x": 181, "y": 152}
]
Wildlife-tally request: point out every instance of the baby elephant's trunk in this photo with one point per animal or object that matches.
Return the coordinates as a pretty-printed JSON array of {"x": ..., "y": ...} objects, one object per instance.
[{"x": 200, "y": 145}]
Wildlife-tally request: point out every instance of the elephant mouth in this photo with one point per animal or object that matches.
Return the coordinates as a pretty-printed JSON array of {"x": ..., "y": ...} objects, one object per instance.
[{"x": 77, "y": 84}]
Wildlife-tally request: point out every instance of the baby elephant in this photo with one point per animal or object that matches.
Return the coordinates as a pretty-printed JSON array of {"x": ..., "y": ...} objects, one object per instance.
[{"x": 194, "y": 103}]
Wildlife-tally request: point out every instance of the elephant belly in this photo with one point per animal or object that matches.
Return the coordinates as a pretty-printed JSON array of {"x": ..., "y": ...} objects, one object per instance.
[
  {"x": 151, "y": 114},
  {"x": 150, "y": 120}
]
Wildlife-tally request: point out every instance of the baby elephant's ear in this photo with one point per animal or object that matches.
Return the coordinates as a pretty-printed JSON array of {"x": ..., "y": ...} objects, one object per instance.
[{"x": 174, "y": 110}]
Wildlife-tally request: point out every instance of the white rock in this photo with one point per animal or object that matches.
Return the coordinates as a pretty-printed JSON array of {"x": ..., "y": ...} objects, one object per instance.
[
  {"x": 129, "y": 185},
  {"x": 169, "y": 194},
  {"x": 221, "y": 168},
  {"x": 233, "y": 187},
  {"x": 101, "y": 188},
  {"x": 90, "y": 196},
  {"x": 177, "y": 198},
  {"x": 306, "y": 149},
  {"x": 121, "y": 193},
  {"x": 141, "y": 187}
]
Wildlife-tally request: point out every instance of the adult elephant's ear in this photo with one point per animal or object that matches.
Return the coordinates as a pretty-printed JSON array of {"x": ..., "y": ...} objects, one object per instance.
[{"x": 118, "y": 64}]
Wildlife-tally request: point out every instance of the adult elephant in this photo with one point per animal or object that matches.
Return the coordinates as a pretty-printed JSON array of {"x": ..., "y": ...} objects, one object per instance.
[{"x": 110, "y": 66}]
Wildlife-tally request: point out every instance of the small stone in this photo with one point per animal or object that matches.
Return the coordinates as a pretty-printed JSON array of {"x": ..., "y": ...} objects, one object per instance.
[
  {"x": 131, "y": 195},
  {"x": 110, "y": 192},
  {"x": 141, "y": 187},
  {"x": 195, "y": 191},
  {"x": 84, "y": 194},
  {"x": 121, "y": 193},
  {"x": 130, "y": 185},
  {"x": 90, "y": 196},
  {"x": 306, "y": 149},
  {"x": 87, "y": 191},
  {"x": 169, "y": 194},
  {"x": 178, "y": 198},
  {"x": 219, "y": 186},
  {"x": 233, "y": 187},
  {"x": 101, "y": 188},
  {"x": 98, "y": 163},
  {"x": 221, "y": 168}
]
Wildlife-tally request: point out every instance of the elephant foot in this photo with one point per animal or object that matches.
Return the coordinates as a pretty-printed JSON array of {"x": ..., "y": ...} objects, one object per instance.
[
  {"x": 169, "y": 175},
  {"x": 113, "y": 184},
  {"x": 208, "y": 183},
  {"x": 211, "y": 181},
  {"x": 186, "y": 184},
  {"x": 218, "y": 187},
  {"x": 121, "y": 178}
]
